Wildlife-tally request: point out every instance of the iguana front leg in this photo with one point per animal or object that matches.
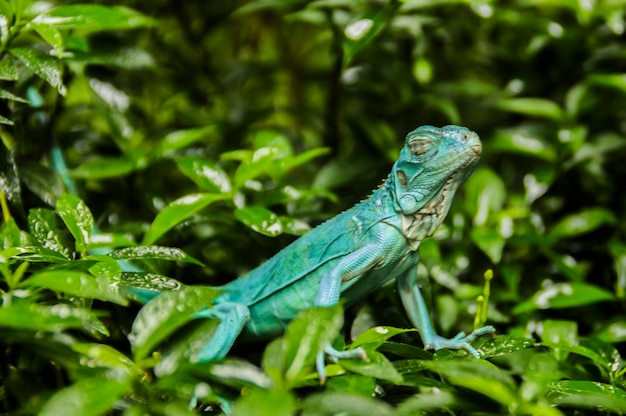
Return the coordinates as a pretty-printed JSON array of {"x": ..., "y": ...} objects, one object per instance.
[
  {"x": 417, "y": 312},
  {"x": 351, "y": 266}
]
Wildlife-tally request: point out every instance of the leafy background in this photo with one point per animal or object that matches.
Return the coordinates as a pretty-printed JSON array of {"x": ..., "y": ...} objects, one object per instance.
[{"x": 204, "y": 136}]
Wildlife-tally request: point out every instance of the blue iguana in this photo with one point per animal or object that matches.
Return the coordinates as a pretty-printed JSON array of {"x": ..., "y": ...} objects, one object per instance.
[
  {"x": 356, "y": 252},
  {"x": 359, "y": 250}
]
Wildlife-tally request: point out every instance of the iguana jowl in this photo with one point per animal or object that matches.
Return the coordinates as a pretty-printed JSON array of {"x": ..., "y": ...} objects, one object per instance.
[{"x": 357, "y": 251}]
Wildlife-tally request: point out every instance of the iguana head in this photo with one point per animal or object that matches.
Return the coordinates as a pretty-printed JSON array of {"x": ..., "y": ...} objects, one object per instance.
[{"x": 432, "y": 166}]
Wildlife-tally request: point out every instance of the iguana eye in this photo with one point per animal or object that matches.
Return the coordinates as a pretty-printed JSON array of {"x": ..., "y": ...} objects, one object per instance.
[{"x": 420, "y": 147}]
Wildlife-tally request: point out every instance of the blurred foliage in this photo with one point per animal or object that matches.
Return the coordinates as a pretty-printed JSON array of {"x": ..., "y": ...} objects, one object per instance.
[{"x": 212, "y": 133}]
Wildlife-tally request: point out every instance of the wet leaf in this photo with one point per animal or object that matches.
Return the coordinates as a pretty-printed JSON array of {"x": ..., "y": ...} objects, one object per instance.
[
  {"x": 45, "y": 66},
  {"x": 160, "y": 317},
  {"x": 33, "y": 317},
  {"x": 588, "y": 394},
  {"x": 564, "y": 295},
  {"x": 538, "y": 107},
  {"x": 153, "y": 252},
  {"x": 582, "y": 222},
  {"x": 260, "y": 220},
  {"x": 89, "y": 397},
  {"x": 206, "y": 174},
  {"x": 8, "y": 70},
  {"x": 77, "y": 284},
  {"x": 374, "y": 337},
  {"x": 6, "y": 95},
  {"x": 103, "y": 168},
  {"x": 78, "y": 219},
  {"x": 43, "y": 224},
  {"x": 182, "y": 138},
  {"x": 92, "y": 17},
  {"x": 177, "y": 212},
  {"x": 477, "y": 375},
  {"x": 376, "y": 366},
  {"x": 333, "y": 403}
]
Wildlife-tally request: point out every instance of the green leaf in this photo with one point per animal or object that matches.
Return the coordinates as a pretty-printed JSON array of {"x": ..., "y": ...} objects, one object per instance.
[
  {"x": 261, "y": 220},
  {"x": 376, "y": 366},
  {"x": 504, "y": 345},
  {"x": 8, "y": 70},
  {"x": 6, "y": 95},
  {"x": 564, "y": 295},
  {"x": 153, "y": 252},
  {"x": 103, "y": 168},
  {"x": 105, "y": 356},
  {"x": 182, "y": 138},
  {"x": 45, "y": 66},
  {"x": 490, "y": 241},
  {"x": 176, "y": 212},
  {"x": 582, "y": 222},
  {"x": 485, "y": 194},
  {"x": 50, "y": 34},
  {"x": 588, "y": 394},
  {"x": 205, "y": 174},
  {"x": 477, "y": 375},
  {"x": 91, "y": 17},
  {"x": 160, "y": 317},
  {"x": 42, "y": 181},
  {"x": 615, "y": 81},
  {"x": 520, "y": 141},
  {"x": 264, "y": 221},
  {"x": 262, "y": 402},
  {"x": 76, "y": 284},
  {"x": 78, "y": 219},
  {"x": 151, "y": 281},
  {"x": 89, "y": 396},
  {"x": 43, "y": 224},
  {"x": 374, "y": 337},
  {"x": 362, "y": 31},
  {"x": 8, "y": 122},
  {"x": 538, "y": 107},
  {"x": 33, "y": 317},
  {"x": 335, "y": 403}
]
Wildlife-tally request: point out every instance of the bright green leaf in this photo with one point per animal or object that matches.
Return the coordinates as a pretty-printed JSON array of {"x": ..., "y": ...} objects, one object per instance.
[
  {"x": 33, "y": 317},
  {"x": 205, "y": 174},
  {"x": 45, "y": 66},
  {"x": 538, "y": 107},
  {"x": 564, "y": 295},
  {"x": 335, "y": 403},
  {"x": 43, "y": 224},
  {"x": 490, "y": 241},
  {"x": 588, "y": 394},
  {"x": 92, "y": 17},
  {"x": 260, "y": 220},
  {"x": 8, "y": 70},
  {"x": 582, "y": 222},
  {"x": 78, "y": 219},
  {"x": 88, "y": 397},
  {"x": 76, "y": 284},
  {"x": 153, "y": 252},
  {"x": 164, "y": 314},
  {"x": 103, "y": 168},
  {"x": 176, "y": 212},
  {"x": 180, "y": 139}
]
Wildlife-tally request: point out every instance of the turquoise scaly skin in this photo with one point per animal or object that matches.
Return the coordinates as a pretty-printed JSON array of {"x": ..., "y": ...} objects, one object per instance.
[
  {"x": 354, "y": 253},
  {"x": 358, "y": 251}
]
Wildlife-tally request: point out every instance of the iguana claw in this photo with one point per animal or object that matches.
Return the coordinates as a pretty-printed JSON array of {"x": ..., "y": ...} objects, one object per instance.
[
  {"x": 460, "y": 341},
  {"x": 335, "y": 355}
]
